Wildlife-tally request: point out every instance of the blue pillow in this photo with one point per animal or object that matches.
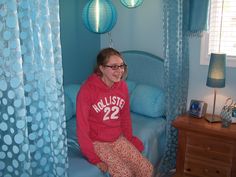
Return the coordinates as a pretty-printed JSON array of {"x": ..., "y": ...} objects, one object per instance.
[
  {"x": 131, "y": 85},
  {"x": 72, "y": 139},
  {"x": 148, "y": 100},
  {"x": 71, "y": 91},
  {"x": 69, "y": 112}
]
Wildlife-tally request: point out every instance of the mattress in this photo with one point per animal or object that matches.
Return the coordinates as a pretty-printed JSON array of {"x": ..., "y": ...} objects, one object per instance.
[{"x": 151, "y": 131}]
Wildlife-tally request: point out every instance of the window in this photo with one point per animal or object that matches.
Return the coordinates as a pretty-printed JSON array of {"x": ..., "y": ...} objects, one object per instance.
[{"x": 221, "y": 36}]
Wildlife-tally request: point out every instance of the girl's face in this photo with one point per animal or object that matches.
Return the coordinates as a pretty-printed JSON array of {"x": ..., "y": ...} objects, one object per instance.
[{"x": 113, "y": 70}]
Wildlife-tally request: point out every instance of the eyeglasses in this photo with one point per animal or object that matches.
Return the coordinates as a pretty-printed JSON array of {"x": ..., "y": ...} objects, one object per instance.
[{"x": 116, "y": 67}]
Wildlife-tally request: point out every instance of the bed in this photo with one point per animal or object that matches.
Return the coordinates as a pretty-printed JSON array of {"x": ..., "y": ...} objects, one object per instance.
[{"x": 145, "y": 83}]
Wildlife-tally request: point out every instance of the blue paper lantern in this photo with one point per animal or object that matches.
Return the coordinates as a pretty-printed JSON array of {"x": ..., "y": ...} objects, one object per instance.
[
  {"x": 131, "y": 3},
  {"x": 99, "y": 16}
]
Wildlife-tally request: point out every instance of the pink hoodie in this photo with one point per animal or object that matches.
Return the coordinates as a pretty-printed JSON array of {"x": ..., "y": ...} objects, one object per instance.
[{"x": 103, "y": 114}]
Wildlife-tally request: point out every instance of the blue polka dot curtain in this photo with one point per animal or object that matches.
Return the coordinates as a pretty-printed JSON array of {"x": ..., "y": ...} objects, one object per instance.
[
  {"x": 176, "y": 74},
  {"x": 32, "y": 120},
  {"x": 182, "y": 20}
]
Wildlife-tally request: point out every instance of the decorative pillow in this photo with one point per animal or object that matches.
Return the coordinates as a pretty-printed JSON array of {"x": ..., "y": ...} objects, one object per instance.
[
  {"x": 68, "y": 107},
  {"x": 131, "y": 85},
  {"x": 72, "y": 138},
  {"x": 148, "y": 101},
  {"x": 71, "y": 91}
]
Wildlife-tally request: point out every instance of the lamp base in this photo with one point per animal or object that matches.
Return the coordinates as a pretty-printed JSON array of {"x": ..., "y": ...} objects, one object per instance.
[{"x": 213, "y": 119}]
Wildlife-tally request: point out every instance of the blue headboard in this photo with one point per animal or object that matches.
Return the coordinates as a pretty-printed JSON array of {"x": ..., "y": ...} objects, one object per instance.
[{"x": 144, "y": 67}]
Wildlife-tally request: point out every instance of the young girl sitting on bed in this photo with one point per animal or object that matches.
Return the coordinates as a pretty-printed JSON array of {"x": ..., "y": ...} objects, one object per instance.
[{"x": 104, "y": 127}]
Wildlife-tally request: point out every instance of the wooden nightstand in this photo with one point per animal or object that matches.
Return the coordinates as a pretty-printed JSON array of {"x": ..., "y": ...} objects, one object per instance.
[{"x": 205, "y": 149}]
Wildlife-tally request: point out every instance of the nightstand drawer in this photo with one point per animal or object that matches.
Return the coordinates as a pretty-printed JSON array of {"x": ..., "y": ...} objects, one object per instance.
[
  {"x": 201, "y": 169},
  {"x": 209, "y": 148},
  {"x": 205, "y": 154},
  {"x": 210, "y": 144}
]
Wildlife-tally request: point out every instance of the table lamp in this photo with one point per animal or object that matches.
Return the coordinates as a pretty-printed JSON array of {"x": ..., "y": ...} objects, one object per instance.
[{"x": 216, "y": 79}]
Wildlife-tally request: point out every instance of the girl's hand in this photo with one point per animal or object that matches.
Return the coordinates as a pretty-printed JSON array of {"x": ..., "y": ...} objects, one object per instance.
[{"x": 102, "y": 166}]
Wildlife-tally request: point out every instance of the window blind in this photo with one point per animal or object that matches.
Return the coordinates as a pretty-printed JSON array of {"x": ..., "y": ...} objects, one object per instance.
[{"x": 222, "y": 33}]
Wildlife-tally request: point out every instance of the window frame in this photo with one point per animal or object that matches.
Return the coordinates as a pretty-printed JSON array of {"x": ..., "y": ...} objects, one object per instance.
[{"x": 205, "y": 57}]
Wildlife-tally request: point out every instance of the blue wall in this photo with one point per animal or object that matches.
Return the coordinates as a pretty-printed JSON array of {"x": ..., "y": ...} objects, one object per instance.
[
  {"x": 139, "y": 28},
  {"x": 79, "y": 46}
]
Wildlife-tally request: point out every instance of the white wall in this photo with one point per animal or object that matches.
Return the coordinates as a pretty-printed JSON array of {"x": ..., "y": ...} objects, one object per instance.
[{"x": 141, "y": 29}]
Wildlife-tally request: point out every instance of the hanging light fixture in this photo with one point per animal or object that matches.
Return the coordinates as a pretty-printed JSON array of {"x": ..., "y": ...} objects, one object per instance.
[
  {"x": 131, "y": 3},
  {"x": 99, "y": 16}
]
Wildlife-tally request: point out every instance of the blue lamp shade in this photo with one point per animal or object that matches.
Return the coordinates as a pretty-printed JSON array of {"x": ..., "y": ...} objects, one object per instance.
[
  {"x": 99, "y": 16},
  {"x": 131, "y": 3},
  {"x": 216, "y": 71}
]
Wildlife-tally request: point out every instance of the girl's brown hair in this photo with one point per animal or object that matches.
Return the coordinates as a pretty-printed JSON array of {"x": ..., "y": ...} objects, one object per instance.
[{"x": 103, "y": 57}]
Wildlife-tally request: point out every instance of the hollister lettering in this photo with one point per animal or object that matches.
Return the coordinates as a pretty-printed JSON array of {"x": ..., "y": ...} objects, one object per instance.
[{"x": 107, "y": 101}]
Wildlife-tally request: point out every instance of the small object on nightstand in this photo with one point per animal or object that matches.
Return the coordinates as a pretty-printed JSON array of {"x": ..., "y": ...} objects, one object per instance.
[
  {"x": 234, "y": 111},
  {"x": 234, "y": 114},
  {"x": 227, "y": 113},
  {"x": 197, "y": 108},
  {"x": 226, "y": 122}
]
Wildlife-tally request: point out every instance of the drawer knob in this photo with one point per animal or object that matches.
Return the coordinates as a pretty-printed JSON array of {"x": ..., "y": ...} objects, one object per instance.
[
  {"x": 208, "y": 148},
  {"x": 206, "y": 170},
  {"x": 188, "y": 169}
]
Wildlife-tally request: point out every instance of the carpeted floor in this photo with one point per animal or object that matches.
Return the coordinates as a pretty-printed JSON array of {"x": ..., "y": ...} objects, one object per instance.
[{"x": 170, "y": 174}]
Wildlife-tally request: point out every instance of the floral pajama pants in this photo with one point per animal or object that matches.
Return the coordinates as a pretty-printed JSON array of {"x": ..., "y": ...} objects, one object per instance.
[{"x": 123, "y": 159}]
